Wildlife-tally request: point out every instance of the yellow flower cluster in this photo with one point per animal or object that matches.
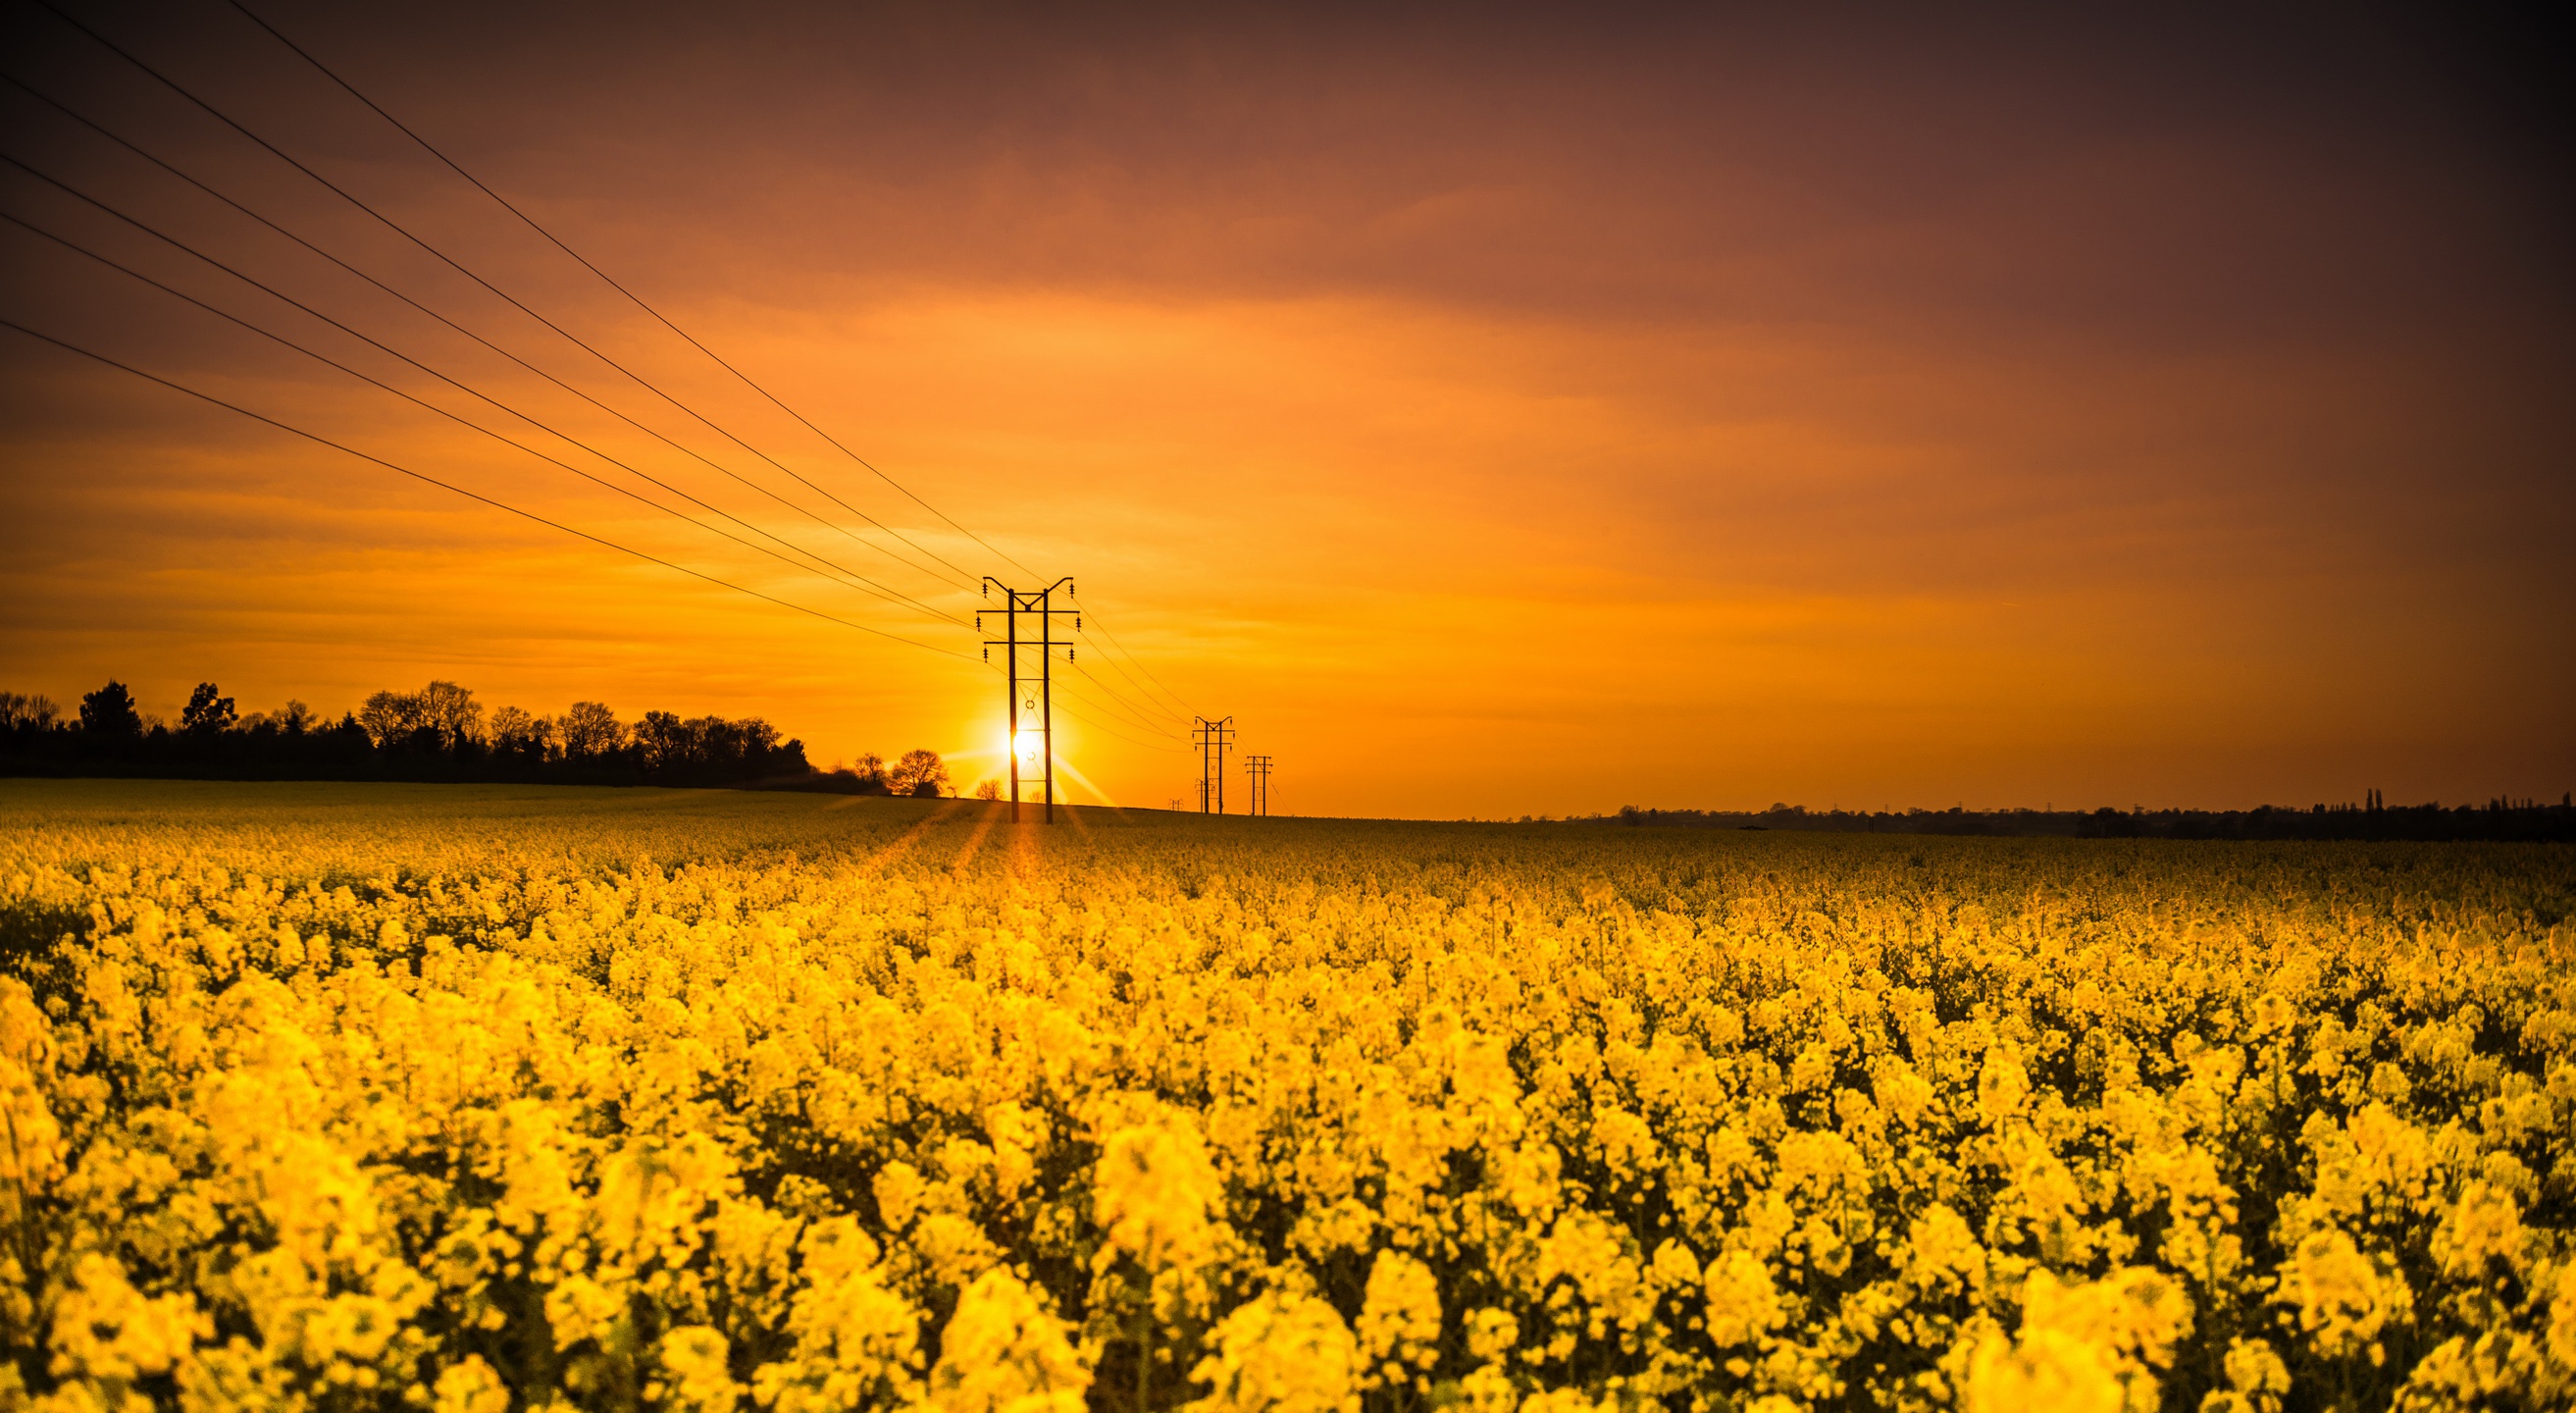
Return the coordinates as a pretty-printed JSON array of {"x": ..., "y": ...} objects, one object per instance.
[{"x": 339, "y": 1097}]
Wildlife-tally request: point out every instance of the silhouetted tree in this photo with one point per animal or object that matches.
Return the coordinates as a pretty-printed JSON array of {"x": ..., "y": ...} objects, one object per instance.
[
  {"x": 517, "y": 734},
  {"x": 437, "y": 733},
  {"x": 748, "y": 747},
  {"x": 666, "y": 742},
  {"x": 713, "y": 750},
  {"x": 918, "y": 773},
  {"x": 590, "y": 729},
  {"x": 292, "y": 719},
  {"x": 27, "y": 711},
  {"x": 207, "y": 714},
  {"x": 389, "y": 717},
  {"x": 439, "y": 717},
  {"x": 452, "y": 712},
  {"x": 109, "y": 711}
]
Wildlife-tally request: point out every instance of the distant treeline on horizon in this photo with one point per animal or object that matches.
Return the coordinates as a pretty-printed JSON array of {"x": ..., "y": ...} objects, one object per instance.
[
  {"x": 2497, "y": 819},
  {"x": 439, "y": 733}
]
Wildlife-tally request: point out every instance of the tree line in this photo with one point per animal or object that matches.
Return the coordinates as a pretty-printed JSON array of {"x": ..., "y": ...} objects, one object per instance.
[
  {"x": 439, "y": 733},
  {"x": 2502, "y": 818}
]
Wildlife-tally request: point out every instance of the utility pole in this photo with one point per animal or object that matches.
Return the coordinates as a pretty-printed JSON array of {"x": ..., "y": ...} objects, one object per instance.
[
  {"x": 1029, "y": 702},
  {"x": 1258, "y": 767},
  {"x": 1214, "y": 739}
]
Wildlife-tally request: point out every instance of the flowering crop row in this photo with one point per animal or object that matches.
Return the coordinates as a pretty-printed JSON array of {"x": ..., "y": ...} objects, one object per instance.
[{"x": 332, "y": 1097}]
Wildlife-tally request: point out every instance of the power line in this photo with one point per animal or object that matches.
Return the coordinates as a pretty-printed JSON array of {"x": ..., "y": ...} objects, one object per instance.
[
  {"x": 649, "y": 431},
  {"x": 1148, "y": 704},
  {"x": 851, "y": 577},
  {"x": 399, "y": 229},
  {"x": 1141, "y": 719},
  {"x": 443, "y": 412},
  {"x": 71, "y": 347},
  {"x": 24, "y": 224},
  {"x": 1135, "y": 717},
  {"x": 1108, "y": 731},
  {"x": 1131, "y": 657},
  {"x": 1040, "y": 603},
  {"x": 1101, "y": 727},
  {"x": 1067, "y": 707},
  {"x": 532, "y": 224},
  {"x": 1066, "y": 695}
]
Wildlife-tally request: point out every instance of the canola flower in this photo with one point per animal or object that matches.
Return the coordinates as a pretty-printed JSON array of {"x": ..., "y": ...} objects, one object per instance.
[{"x": 338, "y": 1097}]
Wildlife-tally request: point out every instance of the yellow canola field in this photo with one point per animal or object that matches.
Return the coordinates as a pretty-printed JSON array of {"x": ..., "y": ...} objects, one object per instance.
[{"x": 381, "y": 1097}]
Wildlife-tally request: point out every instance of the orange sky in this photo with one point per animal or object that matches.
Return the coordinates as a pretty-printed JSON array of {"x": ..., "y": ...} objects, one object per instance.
[{"x": 1493, "y": 415}]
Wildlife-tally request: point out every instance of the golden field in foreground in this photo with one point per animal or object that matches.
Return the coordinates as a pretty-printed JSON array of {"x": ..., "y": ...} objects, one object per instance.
[{"x": 358, "y": 1097}]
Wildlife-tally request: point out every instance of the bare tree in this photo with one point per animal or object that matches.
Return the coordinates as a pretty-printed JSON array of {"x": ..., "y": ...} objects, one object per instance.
[
  {"x": 918, "y": 773},
  {"x": 26, "y": 709},
  {"x": 668, "y": 743},
  {"x": 453, "y": 712},
  {"x": 390, "y": 717},
  {"x": 517, "y": 732},
  {"x": 590, "y": 729}
]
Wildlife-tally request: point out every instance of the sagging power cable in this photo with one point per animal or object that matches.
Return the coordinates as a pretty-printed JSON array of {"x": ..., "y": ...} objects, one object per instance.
[
  {"x": 70, "y": 347},
  {"x": 452, "y": 263}
]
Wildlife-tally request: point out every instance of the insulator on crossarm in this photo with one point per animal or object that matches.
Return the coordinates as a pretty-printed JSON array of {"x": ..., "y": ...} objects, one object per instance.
[{"x": 988, "y": 654}]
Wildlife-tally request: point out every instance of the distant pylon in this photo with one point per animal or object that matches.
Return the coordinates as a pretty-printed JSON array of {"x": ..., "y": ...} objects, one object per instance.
[
  {"x": 1258, "y": 767},
  {"x": 1214, "y": 739}
]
